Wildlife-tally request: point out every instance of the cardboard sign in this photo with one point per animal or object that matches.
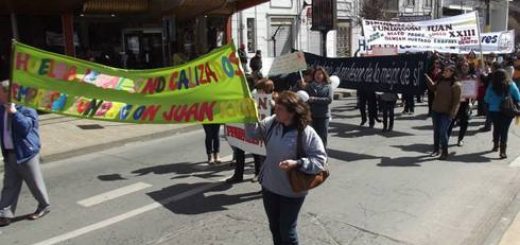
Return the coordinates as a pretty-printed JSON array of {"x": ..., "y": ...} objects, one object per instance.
[
  {"x": 469, "y": 89},
  {"x": 288, "y": 63}
]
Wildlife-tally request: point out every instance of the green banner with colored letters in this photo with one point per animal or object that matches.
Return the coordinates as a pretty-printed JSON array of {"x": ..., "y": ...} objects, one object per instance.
[{"x": 209, "y": 89}]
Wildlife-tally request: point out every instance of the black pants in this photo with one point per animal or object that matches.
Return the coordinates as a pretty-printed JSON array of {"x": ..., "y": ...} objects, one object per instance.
[
  {"x": 240, "y": 158},
  {"x": 388, "y": 114},
  {"x": 431, "y": 97},
  {"x": 212, "y": 140},
  {"x": 409, "y": 103},
  {"x": 463, "y": 118},
  {"x": 501, "y": 124},
  {"x": 321, "y": 126},
  {"x": 367, "y": 98}
]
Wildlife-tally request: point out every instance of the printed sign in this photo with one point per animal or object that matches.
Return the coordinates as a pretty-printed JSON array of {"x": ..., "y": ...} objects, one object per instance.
[
  {"x": 447, "y": 32},
  {"x": 236, "y": 136},
  {"x": 210, "y": 89},
  {"x": 492, "y": 42},
  {"x": 288, "y": 63},
  {"x": 469, "y": 89}
]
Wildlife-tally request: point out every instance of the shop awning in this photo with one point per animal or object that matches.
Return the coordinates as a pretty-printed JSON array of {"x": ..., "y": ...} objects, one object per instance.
[
  {"x": 39, "y": 7},
  {"x": 192, "y": 8},
  {"x": 182, "y": 9}
]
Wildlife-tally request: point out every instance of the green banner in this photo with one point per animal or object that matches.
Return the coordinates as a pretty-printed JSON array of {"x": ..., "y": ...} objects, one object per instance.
[{"x": 209, "y": 89}]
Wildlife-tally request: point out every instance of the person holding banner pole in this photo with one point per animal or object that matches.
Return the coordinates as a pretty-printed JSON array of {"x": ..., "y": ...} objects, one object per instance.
[
  {"x": 445, "y": 107},
  {"x": 320, "y": 96},
  {"x": 20, "y": 144},
  {"x": 280, "y": 134}
]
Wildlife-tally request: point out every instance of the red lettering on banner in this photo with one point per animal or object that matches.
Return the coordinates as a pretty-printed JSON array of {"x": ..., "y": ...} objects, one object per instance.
[
  {"x": 150, "y": 112},
  {"x": 83, "y": 105},
  {"x": 235, "y": 132},
  {"x": 172, "y": 84},
  {"x": 206, "y": 110},
  {"x": 180, "y": 113},
  {"x": 210, "y": 74},
  {"x": 149, "y": 88},
  {"x": 202, "y": 79},
  {"x": 187, "y": 113},
  {"x": 22, "y": 61}
]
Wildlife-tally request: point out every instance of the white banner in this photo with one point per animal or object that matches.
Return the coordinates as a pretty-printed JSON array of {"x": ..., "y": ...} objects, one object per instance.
[
  {"x": 469, "y": 89},
  {"x": 236, "y": 136},
  {"x": 492, "y": 42},
  {"x": 288, "y": 63},
  {"x": 455, "y": 31},
  {"x": 235, "y": 133},
  {"x": 264, "y": 104}
]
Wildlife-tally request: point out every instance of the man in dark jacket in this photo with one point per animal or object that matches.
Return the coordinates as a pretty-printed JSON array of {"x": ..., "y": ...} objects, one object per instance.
[
  {"x": 256, "y": 66},
  {"x": 20, "y": 142}
]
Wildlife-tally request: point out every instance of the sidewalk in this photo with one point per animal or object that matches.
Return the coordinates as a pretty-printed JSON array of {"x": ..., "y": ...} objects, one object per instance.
[{"x": 63, "y": 137}]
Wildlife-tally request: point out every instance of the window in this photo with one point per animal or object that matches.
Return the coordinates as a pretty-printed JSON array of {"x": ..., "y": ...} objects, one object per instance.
[
  {"x": 392, "y": 5},
  {"x": 343, "y": 39},
  {"x": 428, "y": 3},
  {"x": 280, "y": 36},
  {"x": 251, "y": 35},
  {"x": 410, "y": 2}
]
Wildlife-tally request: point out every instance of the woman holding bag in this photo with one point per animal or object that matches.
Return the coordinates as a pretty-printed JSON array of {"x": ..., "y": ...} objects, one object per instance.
[
  {"x": 280, "y": 134},
  {"x": 501, "y": 87}
]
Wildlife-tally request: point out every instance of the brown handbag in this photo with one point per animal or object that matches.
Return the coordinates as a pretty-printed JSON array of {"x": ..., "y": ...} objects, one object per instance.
[{"x": 301, "y": 181}]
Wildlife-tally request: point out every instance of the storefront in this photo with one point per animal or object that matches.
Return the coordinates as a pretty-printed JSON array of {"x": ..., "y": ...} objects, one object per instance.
[{"x": 135, "y": 34}]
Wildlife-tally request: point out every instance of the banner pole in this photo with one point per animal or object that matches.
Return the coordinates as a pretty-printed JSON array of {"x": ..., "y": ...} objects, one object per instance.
[
  {"x": 480, "y": 42},
  {"x": 11, "y": 70}
]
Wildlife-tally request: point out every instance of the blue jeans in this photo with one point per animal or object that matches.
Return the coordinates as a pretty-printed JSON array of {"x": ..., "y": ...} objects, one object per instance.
[
  {"x": 321, "y": 126},
  {"x": 501, "y": 125},
  {"x": 282, "y": 213},
  {"x": 441, "y": 125}
]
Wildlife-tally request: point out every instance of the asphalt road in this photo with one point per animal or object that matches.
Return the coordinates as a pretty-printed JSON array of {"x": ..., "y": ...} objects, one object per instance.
[{"x": 383, "y": 190}]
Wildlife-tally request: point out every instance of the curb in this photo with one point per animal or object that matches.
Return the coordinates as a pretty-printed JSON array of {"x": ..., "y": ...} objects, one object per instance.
[{"x": 110, "y": 145}]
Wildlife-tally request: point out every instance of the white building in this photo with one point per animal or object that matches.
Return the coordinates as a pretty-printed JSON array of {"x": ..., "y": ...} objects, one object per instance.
[{"x": 278, "y": 26}]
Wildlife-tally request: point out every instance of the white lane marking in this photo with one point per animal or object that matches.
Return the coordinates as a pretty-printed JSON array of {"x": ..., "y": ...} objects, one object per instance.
[
  {"x": 227, "y": 158},
  {"x": 127, "y": 215},
  {"x": 515, "y": 163},
  {"x": 512, "y": 235},
  {"x": 107, "y": 196}
]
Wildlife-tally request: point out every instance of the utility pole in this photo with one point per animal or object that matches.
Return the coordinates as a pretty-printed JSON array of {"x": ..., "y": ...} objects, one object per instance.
[{"x": 488, "y": 24}]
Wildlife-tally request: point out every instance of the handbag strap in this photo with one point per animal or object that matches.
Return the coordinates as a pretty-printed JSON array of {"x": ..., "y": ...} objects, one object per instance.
[{"x": 299, "y": 146}]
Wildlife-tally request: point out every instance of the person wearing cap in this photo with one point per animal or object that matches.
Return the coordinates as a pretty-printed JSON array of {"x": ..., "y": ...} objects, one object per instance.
[
  {"x": 445, "y": 107},
  {"x": 242, "y": 55},
  {"x": 20, "y": 142}
]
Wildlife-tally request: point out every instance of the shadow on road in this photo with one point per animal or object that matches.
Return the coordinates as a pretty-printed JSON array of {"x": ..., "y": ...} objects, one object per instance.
[
  {"x": 347, "y": 130},
  {"x": 202, "y": 202},
  {"x": 420, "y": 148},
  {"x": 348, "y": 156},
  {"x": 403, "y": 161},
  {"x": 179, "y": 170}
]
